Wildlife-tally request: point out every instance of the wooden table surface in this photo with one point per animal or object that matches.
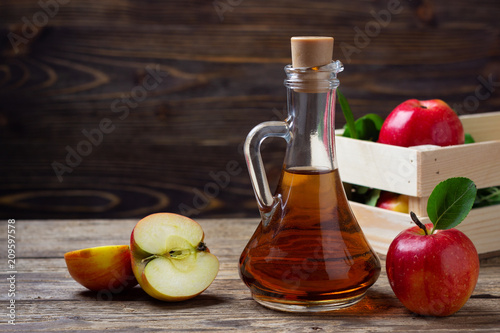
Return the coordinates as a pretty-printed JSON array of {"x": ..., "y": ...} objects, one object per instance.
[{"x": 47, "y": 299}]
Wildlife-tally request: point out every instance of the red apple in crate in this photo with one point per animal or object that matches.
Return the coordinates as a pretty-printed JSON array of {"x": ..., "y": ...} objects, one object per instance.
[
  {"x": 102, "y": 268},
  {"x": 169, "y": 258},
  {"x": 393, "y": 201},
  {"x": 432, "y": 274},
  {"x": 414, "y": 123}
]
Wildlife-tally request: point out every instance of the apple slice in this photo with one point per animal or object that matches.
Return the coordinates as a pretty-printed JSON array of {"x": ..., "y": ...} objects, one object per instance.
[
  {"x": 102, "y": 268},
  {"x": 169, "y": 258}
]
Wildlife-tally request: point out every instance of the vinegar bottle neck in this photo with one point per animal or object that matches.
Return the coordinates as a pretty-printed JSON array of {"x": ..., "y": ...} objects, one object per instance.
[{"x": 311, "y": 111}]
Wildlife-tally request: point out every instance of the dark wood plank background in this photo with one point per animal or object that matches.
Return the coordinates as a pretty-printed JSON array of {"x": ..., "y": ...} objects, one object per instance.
[{"x": 66, "y": 66}]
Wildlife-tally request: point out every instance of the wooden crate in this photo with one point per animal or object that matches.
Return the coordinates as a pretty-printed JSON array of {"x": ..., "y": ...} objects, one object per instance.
[{"x": 415, "y": 171}]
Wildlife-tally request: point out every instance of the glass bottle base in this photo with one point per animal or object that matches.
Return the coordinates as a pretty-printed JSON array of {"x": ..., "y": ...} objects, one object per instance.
[{"x": 307, "y": 306}]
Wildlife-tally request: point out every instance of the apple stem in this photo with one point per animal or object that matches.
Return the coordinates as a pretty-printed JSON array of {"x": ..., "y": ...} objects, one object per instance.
[
  {"x": 417, "y": 222},
  {"x": 201, "y": 247}
]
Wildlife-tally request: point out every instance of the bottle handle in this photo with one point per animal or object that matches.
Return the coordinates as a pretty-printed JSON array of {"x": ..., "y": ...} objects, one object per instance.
[{"x": 266, "y": 201}]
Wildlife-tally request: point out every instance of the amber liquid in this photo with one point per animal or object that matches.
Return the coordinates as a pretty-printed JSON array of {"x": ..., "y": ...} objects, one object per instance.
[{"x": 312, "y": 250}]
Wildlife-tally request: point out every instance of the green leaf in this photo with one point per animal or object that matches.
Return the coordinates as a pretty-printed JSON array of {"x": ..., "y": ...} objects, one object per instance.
[
  {"x": 362, "y": 194},
  {"x": 373, "y": 198},
  {"x": 367, "y": 127},
  {"x": 488, "y": 196},
  {"x": 362, "y": 189},
  {"x": 349, "y": 117},
  {"x": 377, "y": 120},
  {"x": 469, "y": 138},
  {"x": 450, "y": 202}
]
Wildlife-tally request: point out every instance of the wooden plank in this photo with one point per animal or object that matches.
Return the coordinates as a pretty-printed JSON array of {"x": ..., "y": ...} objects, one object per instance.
[
  {"x": 478, "y": 161},
  {"x": 377, "y": 165},
  {"x": 415, "y": 171},
  {"x": 53, "y": 238},
  {"x": 482, "y": 127},
  {"x": 381, "y": 226},
  {"x": 418, "y": 205},
  {"x": 49, "y": 300},
  {"x": 224, "y": 77},
  {"x": 215, "y": 314},
  {"x": 482, "y": 227}
]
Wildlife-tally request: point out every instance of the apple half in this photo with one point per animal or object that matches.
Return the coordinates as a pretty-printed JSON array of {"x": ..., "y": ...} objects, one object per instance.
[
  {"x": 102, "y": 268},
  {"x": 169, "y": 258}
]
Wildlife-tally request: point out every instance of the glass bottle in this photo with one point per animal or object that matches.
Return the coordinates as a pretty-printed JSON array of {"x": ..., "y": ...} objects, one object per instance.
[{"x": 308, "y": 254}]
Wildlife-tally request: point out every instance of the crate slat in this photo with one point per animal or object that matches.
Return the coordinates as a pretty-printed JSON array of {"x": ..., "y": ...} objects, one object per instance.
[
  {"x": 478, "y": 161},
  {"x": 482, "y": 126},
  {"x": 381, "y": 226},
  {"x": 377, "y": 165}
]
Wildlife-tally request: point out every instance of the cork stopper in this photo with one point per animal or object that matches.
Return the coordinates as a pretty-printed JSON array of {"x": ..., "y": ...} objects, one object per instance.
[{"x": 311, "y": 51}]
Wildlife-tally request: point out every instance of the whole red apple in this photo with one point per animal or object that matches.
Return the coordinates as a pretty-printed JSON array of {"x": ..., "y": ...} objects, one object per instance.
[
  {"x": 414, "y": 123},
  {"x": 432, "y": 274},
  {"x": 393, "y": 201}
]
